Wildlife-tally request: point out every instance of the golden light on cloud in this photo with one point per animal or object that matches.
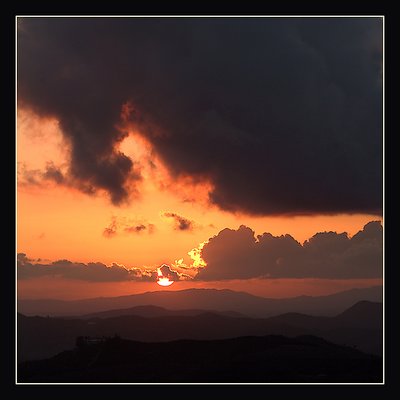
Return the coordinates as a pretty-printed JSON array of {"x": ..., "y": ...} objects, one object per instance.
[
  {"x": 195, "y": 255},
  {"x": 163, "y": 280},
  {"x": 180, "y": 264}
]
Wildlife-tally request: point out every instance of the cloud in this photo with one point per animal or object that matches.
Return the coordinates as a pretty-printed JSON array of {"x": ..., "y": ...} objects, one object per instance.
[
  {"x": 51, "y": 173},
  {"x": 128, "y": 226},
  {"x": 111, "y": 230},
  {"x": 135, "y": 229},
  {"x": 238, "y": 254},
  {"x": 280, "y": 115},
  {"x": 37, "y": 176},
  {"x": 167, "y": 272},
  {"x": 90, "y": 272},
  {"x": 180, "y": 223},
  {"x": 140, "y": 228}
]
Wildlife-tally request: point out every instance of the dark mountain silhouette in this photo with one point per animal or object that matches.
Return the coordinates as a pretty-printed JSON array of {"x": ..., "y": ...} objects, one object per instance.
[
  {"x": 154, "y": 311},
  {"x": 206, "y": 299},
  {"x": 360, "y": 326},
  {"x": 362, "y": 314},
  {"x": 244, "y": 359}
]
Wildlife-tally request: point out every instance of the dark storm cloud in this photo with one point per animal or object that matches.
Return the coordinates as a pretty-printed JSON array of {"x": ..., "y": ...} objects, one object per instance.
[
  {"x": 91, "y": 272},
  {"x": 283, "y": 116},
  {"x": 180, "y": 223},
  {"x": 240, "y": 255}
]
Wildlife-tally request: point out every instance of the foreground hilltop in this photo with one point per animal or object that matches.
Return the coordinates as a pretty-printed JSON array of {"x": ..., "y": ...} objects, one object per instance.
[{"x": 244, "y": 359}]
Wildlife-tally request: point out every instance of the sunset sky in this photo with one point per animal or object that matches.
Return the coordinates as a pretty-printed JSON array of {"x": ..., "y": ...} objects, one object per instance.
[{"x": 244, "y": 153}]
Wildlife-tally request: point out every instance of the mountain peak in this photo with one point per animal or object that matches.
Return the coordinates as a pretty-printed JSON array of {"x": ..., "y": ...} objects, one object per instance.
[{"x": 364, "y": 307}]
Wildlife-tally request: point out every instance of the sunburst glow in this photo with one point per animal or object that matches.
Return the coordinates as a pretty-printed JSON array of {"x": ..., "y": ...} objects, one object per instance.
[{"x": 163, "y": 280}]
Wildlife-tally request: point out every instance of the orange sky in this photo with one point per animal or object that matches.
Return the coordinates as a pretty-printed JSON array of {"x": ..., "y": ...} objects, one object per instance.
[{"x": 58, "y": 222}]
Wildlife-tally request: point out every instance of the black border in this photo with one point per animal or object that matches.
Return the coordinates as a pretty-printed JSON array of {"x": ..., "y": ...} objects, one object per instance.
[{"x": 198, "y": 391}]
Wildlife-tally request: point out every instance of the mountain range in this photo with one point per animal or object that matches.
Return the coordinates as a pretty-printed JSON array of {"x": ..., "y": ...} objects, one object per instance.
[
  {"x": 206, "y": 299},
  {"x": 38, "y": 337}
]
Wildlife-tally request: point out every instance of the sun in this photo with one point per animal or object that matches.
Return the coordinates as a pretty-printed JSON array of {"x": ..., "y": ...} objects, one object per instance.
[{"x": 163, "y": 280}]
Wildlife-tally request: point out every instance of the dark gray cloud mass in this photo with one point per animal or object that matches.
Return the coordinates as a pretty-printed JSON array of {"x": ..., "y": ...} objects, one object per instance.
[
  {"x": 90, "y": 272},
  {"x": 238, "y": 254},
  {"x": 283, "y": 116},
  {"x": 94, "y": 272}
]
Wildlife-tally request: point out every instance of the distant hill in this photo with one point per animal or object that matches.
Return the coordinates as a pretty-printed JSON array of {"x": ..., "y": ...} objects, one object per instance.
[
  {"x": 361, "y": 326},
  {"x": 245, "y": 359},
  {"x": 40, "y": 337},
  {"x": 362, "y": 314},
  {"x": 206, "y": 299},
  {"x": 154, "y": 311}
]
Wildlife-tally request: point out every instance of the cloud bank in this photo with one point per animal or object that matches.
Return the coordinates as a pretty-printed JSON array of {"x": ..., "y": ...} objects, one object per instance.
[
  {"x": 280, "y": 115},
  {"x": 92, "y": 271},
  {"x": 238, "y": 254}
]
